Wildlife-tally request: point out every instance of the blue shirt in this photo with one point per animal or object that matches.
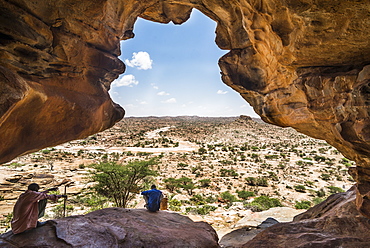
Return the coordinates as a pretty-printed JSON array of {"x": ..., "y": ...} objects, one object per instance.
[{"x": 154, "y": 199}]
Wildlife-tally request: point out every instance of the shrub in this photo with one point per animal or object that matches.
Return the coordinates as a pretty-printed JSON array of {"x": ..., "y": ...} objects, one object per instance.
[
  {"x": 202, "y": 210},
  {"x": 262, "y": 203},
  {"x": 325, "y": 176},
  {"x": 204, "y": 183},
  {"x": 257, "y": 181},
  {"x": 174, "y": 205},
  {"x": 300, "y": 188},
  {"x": 317, "y": 200},
  {"x": 228, "y": 197},
  {"x": 245, "y": 194},
  {"x": 334, "y": 190},
  {"x": 320, "y": 193},
  {"x": 302, "y": 205}
]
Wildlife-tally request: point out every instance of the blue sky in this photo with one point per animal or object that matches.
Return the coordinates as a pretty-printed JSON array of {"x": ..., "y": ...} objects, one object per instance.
[{"x": 172, "y": 70}]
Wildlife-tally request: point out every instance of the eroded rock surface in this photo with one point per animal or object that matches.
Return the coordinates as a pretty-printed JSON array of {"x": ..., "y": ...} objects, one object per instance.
[
  {"x": 117, "y": 227},
  {"x": 299, "y": 63},
  {"x": 333, "y": 223}
]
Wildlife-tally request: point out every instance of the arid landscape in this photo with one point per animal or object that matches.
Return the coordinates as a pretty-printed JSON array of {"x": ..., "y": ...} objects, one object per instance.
[{"x": 228, "y": 163}]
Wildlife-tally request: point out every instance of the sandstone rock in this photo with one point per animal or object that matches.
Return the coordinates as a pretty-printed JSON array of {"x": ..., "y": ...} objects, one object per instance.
[
  {"x": 239, "y": 237},
  {"x": 299, "y": 63},
  {"x": 333, "y": 223},
  {"x": 281, "y": 214},
  {"x": 117, "y": 227}
]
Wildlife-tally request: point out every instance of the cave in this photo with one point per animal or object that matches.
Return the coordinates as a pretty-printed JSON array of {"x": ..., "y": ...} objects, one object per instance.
[{"x": 299, "y": 63}]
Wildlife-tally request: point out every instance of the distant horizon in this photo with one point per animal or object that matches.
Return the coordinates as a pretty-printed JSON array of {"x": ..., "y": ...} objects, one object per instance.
[{"x": 236, "y": 116}]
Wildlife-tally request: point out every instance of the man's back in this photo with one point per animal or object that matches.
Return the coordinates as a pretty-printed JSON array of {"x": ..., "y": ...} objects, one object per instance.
[{"x": 154, "y": 199}]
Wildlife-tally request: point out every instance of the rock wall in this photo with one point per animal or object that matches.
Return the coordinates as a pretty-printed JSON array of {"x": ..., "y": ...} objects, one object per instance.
[{"x": 299, "y": 63}]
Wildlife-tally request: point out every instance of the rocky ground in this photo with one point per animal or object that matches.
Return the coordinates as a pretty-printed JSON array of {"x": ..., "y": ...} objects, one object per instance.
[{"x": 218, "y": 154}]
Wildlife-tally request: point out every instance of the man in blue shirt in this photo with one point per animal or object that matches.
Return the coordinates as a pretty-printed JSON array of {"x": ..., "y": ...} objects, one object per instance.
[{"x": 152, "y": 198}]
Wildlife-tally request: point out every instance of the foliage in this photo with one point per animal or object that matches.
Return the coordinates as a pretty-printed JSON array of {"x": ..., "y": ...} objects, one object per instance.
[
  {"x": 202, "y": 210},
  {"x": 317, "y": 200},
  {"x": 334, "y": 190},
  {"x": 187, "y": 184},
  {"x": 228, "y": 173},
  {"x": 6, "y": 222},
  {"x": 262, "y": 203},
  {"x": 300, "y": 188},
  {"x": 325, "y": 176},
  {"x": 257, "y": 181},
  {"x": 171, "y": 184},
  {"x": 228, "y": 198},
  {"x": 320, "y": 193},
  {"x": 59, "y": 210},
  {"x": 245, "y": 194},
  {"x": 174, "y": 205},
  {"x": 119, "y": 182},
  {"x": 303, "y": 205},
  {"x": 204, "y": 183}
]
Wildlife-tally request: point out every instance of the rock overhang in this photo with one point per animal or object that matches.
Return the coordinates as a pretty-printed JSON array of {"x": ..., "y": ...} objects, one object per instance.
[{"x": 299, "y": 63}]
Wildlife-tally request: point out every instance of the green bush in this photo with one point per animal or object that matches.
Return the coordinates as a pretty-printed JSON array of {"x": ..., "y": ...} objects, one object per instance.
[
  {"x": 325, "y": 177},
  {"x": 334, "y": 190},
  {"x": 302, "y": 205},
  {"x": 228, "y": 197},
  {"x": 320, "y": 193},
  {"x": 174, "y": 205},
  {"x": 257, "y": 181},
  {"x": 204, "y": 183},
  {"x": 300, "y": 188},
  {"x": 317, "y": 200},
  {"x": 202, "y": 210},
  {"x": 262, "y": 203},
  {"x": 245, "y": 194}
]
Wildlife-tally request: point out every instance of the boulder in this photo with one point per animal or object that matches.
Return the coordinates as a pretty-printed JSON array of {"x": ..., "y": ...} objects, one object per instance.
[
  {"x": 281, "y": 214},
  {"x": 239, "y": 237},
  {"x": 333, "y": 223},
  {"x": 117, "y": 227}
]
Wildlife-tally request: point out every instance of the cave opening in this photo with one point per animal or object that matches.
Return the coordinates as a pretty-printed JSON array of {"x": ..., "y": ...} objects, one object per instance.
[{"x": 172, "y": 70}]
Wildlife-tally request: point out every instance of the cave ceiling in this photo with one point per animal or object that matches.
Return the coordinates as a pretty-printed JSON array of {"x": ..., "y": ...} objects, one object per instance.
[{"x": 299, "y": 63}]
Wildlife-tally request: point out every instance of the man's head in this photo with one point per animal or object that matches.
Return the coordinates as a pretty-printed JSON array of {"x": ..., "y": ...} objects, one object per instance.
[
  {"x": 34, "y": 187},
  {"x": 153, "y": 187}
]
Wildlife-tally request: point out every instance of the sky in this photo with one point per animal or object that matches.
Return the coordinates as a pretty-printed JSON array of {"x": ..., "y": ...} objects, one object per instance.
[{"x": 172, "y": 70}]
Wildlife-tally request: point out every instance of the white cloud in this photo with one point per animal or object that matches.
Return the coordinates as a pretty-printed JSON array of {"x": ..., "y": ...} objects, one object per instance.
[
  {"x": 143, "y": 102},
  {"x": 140, "y": 60},
  {"x": 220, "y": 92},
  {"x": 162, "y": 93},
  {"x": 130, "y": 105},
  {"x": 171, "y": 100},
  {"x": 126, "y": 80}
]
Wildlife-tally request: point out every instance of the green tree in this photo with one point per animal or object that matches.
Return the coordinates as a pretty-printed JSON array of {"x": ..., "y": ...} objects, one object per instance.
[
  {"x": 187, "y": 184},
  {"x": 119, "y": 182},
  {"x": 171, "y": 184}
]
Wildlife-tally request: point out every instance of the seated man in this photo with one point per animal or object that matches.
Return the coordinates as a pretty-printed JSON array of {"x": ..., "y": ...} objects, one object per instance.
[
  {"x": 152, "y": 198},
  {"x": 29, "y": 207}
]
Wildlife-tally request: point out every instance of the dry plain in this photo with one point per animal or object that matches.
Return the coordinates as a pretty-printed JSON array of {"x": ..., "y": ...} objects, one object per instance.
[{"x": 218, "y": 155}]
